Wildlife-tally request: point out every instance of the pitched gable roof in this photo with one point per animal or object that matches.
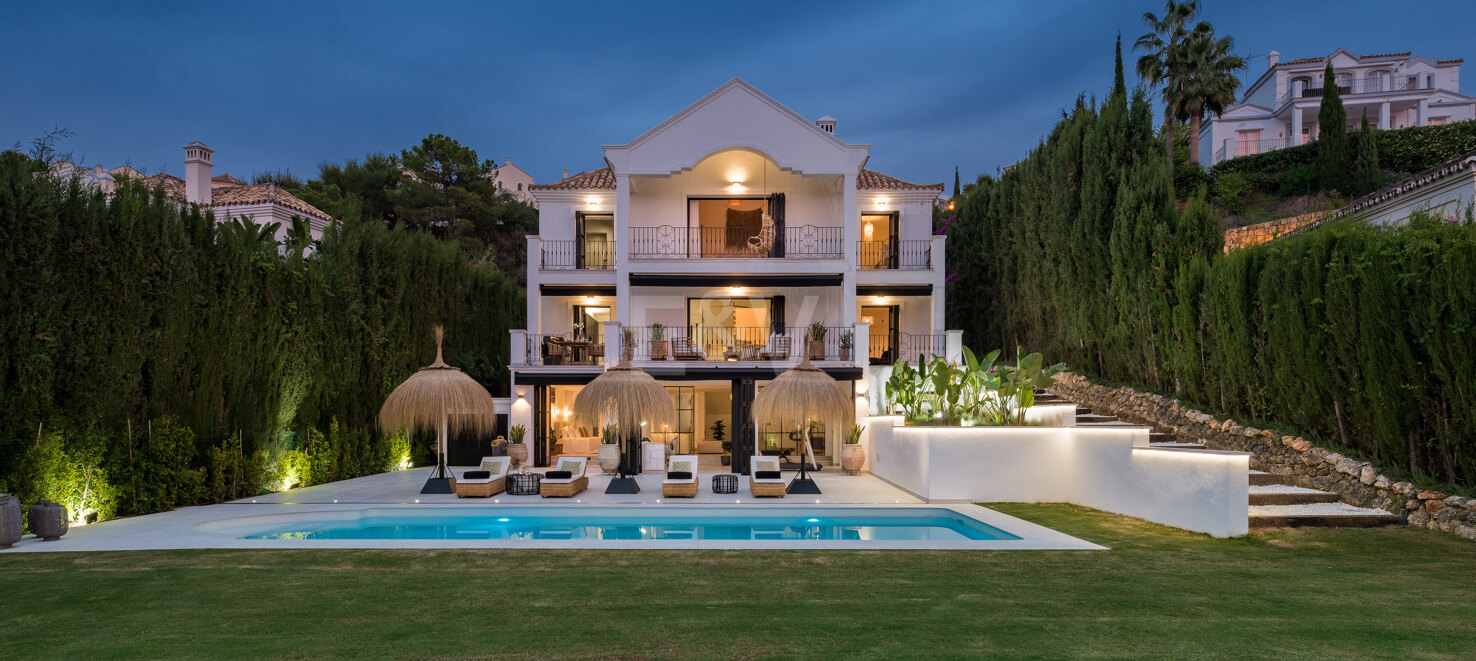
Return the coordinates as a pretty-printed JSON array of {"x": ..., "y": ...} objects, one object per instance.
[
  {"x": 226, "y": 178},
  {"x": 873, "y": 180},
  {"x": 601, "y": 179},
  {"x": 736, "y": 84},
  {"x": 231, "y": 196}
]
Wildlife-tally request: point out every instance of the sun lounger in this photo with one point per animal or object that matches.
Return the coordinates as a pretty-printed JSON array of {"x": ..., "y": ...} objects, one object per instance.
[
  {"x": 474, "y": 484},
  {"x": 764, "y": 478},
  {"x": 681, "y": 477},
  {"x": 565, "y": 479}
]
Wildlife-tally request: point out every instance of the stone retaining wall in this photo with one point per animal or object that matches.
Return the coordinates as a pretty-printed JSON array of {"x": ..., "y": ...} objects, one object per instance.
[
  {"x": 1297, "y": 460},
  {"x": 1254, "y": 235}
]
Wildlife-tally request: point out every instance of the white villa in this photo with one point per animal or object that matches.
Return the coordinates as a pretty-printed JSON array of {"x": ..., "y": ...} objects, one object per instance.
[
  {"x": 715, "y": 242},
  {"x": 1280, "y": 108},
  {"x": 516, "y": 181}
]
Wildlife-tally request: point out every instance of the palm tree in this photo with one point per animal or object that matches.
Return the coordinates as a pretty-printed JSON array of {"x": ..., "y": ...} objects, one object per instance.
[
  {"x": 1209, "y": 82},
  {"x": 1162, "y": 62}
]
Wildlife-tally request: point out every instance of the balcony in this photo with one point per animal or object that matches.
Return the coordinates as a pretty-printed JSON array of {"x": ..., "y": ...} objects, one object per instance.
[
  {"x": 1237, "y": 148},
  {"x": 792, "y": 242},
  {"x": 585, "y": 254},
  {"x": 891, "y": 255},
  {"x": 737, "y": 343},
  {"x": 887, "y": 349},
  {"x": 1372, "y": 85}
]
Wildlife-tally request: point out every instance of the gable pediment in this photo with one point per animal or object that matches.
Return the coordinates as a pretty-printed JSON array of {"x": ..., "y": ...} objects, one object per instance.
[{"x": 736, "y": 116}]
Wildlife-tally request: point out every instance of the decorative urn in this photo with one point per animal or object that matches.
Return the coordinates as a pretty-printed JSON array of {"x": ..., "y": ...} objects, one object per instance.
[
  {"x": 853, "y": 458},
  {"x": 48, "y": 520},
  {"x": 10, "y": 520}
]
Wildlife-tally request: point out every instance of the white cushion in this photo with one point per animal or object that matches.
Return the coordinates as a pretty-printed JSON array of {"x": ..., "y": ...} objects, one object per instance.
[
  {"x": 558, "y": 480},
  {"x": 757, "y": 464},
  {"x": 480, "y": 480}
]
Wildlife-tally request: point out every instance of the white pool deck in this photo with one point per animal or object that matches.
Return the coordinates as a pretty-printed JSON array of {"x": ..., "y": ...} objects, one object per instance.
[{"x": 191, "y": 527}]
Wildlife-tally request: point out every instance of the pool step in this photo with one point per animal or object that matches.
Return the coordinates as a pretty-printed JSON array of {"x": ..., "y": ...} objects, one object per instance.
[
  {"x": 1262, "y": 478},
  {"x": 1283, "y": 494},
  {"x": 1094, "y": 419}
]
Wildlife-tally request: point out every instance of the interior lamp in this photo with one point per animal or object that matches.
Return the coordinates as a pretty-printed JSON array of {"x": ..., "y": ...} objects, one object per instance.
[{"x": 869, "y": 230}]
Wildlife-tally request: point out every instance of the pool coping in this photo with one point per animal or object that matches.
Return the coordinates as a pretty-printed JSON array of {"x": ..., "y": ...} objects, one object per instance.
[{"x": 187, "y": 528}]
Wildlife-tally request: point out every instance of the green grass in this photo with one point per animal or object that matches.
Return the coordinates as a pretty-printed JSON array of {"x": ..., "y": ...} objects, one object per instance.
[{"x": 1159, "y": 593}]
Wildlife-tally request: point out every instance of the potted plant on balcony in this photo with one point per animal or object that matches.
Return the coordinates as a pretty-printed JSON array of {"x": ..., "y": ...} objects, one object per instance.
[
  {"x": 847, "y": 340},
  {"x": 853, "y": 456},
  {"x": 609, "y": 456},
  {"x": 658, "y": 342},
  {"x": 720, "y": 434},
  {"x": 817, "y": 341}
]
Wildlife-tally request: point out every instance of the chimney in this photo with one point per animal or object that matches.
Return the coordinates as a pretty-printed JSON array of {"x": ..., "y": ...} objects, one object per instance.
[
  {"x": 826, "y": 123},
  {"x": 1272, "y": 59},
  {"x": 197, "y": 172},
  {"x": 566, "y": 173}
]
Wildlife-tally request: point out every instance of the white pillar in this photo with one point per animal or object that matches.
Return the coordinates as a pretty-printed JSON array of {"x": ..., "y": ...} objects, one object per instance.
[
  {"x": 532, "y": 300},
  {"x": 614, "y": 342},
  {"x": 1296, "y": 136},
  {"x": 953, "y": 346},
  {"x": 861, "y": 345},
  {"x": 940, "y": 276},
  {"x": 1422, "y": 112},
  {"x": 1384, "y": 116},
  {"x": 851, "y": 222},
  {"x": 518, "y": 347},
  {"x": 623, "y": 245}
]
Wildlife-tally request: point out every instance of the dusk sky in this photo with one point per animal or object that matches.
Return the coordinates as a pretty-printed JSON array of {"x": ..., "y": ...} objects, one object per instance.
[{"x": 292, "y": 85}]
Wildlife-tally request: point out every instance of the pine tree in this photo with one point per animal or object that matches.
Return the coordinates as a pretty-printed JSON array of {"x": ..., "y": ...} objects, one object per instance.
[
  {"x": 1332, "y": 142},
  {"x": 1367, "y": 176}
]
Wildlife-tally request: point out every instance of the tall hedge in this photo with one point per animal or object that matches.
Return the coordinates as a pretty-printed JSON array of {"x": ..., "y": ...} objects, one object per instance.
[
  {"x": 1403, "y": 151},
  {"x": 1362, "y": 337},
  {"x": 118, "y": 313}
]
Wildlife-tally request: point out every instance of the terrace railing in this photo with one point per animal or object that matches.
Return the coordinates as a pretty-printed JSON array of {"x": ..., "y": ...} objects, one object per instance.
[
  {"x": 734, "y": 343},
  {"x": 589, "y": 254},
  {"x": 1368, "y": 85},
  {"x": 795, "y": 242},
  {"x": 559, "y": 349},
  {"x": 905, "y": 255},
  {"x": 907, "y": 347}
]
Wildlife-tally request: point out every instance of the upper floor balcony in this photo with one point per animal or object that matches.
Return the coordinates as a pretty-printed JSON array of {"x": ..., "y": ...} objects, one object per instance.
[
  {"x": 895, "y": 254},
  {"x": 1302, "y": 89},
  {"x": 592, "y": 254},
  {"x": 664, "y": 242}
]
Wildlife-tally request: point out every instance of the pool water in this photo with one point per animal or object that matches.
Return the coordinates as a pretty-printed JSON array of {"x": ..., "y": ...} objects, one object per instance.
[{"x": 655, "y": 523}]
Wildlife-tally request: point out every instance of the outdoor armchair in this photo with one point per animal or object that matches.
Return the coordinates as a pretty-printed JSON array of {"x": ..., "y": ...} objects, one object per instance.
[
  {"x": 484, "y": 487},
  {"x": 565, "y": 479},
  {"x": 681, "y": 477},
  {"x": 764, "y": 478}
]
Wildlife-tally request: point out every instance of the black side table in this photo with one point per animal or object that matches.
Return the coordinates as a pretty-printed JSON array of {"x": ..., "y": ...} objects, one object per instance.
[
  {"x": 523, "y": 484},
  {"x": 725, "y": 483}
]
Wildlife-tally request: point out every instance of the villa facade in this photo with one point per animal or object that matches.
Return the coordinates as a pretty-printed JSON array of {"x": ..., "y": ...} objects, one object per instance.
[
  {"x": 1280, "y": 108},
  {"x": 714, "y": 251},
  {"x": 515, "y": 181}
]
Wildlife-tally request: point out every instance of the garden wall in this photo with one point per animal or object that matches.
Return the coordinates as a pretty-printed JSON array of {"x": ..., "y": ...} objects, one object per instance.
[
  {"x": 1107, "y": 468},
  {"x": 1254, "y": 235},
  {"x": 1294, "y": 458}
]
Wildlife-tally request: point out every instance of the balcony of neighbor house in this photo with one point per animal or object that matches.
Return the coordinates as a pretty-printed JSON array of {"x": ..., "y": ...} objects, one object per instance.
[{"x": 1350, "y": 85}]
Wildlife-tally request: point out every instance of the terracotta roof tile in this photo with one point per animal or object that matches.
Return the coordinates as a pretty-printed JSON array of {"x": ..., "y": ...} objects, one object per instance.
[
  {"x": 603, "y": 178},
  {"x": 1455, "y": 61},
  {"x": 171, "y": 185},
  {"x": 873, "y": 180},
  {"x": 262, "y": 194},
  {"x": 1385, "y": 55},
  {"x": 226, "y": 178}
]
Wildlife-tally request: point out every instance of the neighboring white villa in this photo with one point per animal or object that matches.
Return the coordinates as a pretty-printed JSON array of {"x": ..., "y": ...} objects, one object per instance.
[
  {"x": 1279, "y": 109},
  {"x": 513, "y": 179},
  {"x": 736, "y": 224},
  {"x": 226, "y": 196}
]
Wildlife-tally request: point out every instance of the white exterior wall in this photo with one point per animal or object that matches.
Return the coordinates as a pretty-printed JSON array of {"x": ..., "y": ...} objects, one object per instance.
[
  {"x": 1106, "y": 468},
  {"x": 1449, "y": 196}
]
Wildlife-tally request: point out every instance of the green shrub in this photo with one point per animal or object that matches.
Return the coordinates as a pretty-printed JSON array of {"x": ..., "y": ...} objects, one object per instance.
[
  {"x": 154, "y": 468},
  {"x": 1231, "y": 190},
  {"x": 66, "y": 471},
  {"x": 1298, "y": 180},
  {"x": 1406, "y": 151},
  {"x": 1189, "y": 179}
]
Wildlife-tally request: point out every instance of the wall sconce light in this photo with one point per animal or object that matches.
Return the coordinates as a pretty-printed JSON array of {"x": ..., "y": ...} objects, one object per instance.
[
  {"x": 589, "y": 300},
  {"x": 593, "y": 202},
  {"x": 881, "y": 202},
  {"x": 735, "y": 291},
  {"x": 878, "y": 299}
]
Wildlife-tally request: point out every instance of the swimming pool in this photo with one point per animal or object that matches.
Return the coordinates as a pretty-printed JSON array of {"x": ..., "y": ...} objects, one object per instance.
[{"x": 591, "y": 524}]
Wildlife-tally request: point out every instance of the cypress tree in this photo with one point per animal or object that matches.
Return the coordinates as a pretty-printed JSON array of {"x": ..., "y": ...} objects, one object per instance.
[
  {"x": 955, "y": 183},
  {"x": 1367, "y": 176},
  {"x": 1119, "y": 84},
  {"x": 1332, "y": 143}
]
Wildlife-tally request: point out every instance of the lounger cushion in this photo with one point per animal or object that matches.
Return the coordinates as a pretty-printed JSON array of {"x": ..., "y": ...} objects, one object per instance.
[
  {"x": 558, "y": 475},
  {"x": 766, "y": 475},
  {"x": 476, "y": 475},
  {"x": 679, "y": 475},
  {"x": 493, "y": 467}
]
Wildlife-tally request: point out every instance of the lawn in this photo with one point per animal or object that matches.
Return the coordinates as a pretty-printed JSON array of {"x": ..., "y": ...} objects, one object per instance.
[{"x": 1159, "y": 593}]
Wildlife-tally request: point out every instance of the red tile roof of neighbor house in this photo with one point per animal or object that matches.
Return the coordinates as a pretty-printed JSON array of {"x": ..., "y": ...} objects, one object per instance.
[
  {"x": 226, "y": 178},
  {"x": 242, "y": 195},
  {"x": 1313, "y": 60},
  {"x": 604, "y": 179}
]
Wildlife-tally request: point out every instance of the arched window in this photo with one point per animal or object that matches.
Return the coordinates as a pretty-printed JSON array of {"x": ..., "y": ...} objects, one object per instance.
[{"x": 520, "y": 187}]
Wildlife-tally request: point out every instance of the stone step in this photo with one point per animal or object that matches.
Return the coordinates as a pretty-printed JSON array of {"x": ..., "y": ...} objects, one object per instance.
[
  {"x": 1093, "y": 418},
  {"x": 1179, "y": 446},
  {"x": 1335, "y": 515},
  {"x": 1082, "y": 410},
  {"x": 1262, "y": 478},
  {"x": 1284, "y": 494},
  {"x": 1162, "y": 437}
]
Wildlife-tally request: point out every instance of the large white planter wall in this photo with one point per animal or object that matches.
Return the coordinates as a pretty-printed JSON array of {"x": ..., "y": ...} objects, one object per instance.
[{"x": 1107, "y": 468}]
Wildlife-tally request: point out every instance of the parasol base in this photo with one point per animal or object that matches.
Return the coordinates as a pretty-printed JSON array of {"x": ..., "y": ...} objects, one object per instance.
[
  {"x": 437, "y": 485},
  {"x": 623, "y": 485},
  {"x": 803, "y": 485}
]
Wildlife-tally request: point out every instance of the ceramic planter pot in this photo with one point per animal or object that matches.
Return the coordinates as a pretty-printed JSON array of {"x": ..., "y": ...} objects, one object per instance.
[
  {"x": 518, "y": 452},
  {"x": 817, "y": 350},
  {"x": 609, "y": 457},
  {"x": 853, "y": 458},
  {"x": 845, "y": 354},
  {"x": 10, "y": 520},
  {"x": 658, "y": 349},
  {"x": 48, "y": 520},
  {"x": 727, "y": 460}
]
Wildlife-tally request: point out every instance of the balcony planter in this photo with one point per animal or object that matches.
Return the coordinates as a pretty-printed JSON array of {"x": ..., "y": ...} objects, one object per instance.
[
  {"x": 816, "y": 350},
  {"x": 48, "y": 520},
  {"x": 847, "y": 340},
  {"x": 658, "y": 342},
  {"x": 10, "y": 520}
]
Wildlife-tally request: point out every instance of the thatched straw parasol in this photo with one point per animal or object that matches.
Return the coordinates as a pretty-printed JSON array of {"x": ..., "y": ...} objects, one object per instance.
[
  {"x": 802, "y": 394},
  {"x": 637, "y": 398},
  {"x": 426, "y": 400}
]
